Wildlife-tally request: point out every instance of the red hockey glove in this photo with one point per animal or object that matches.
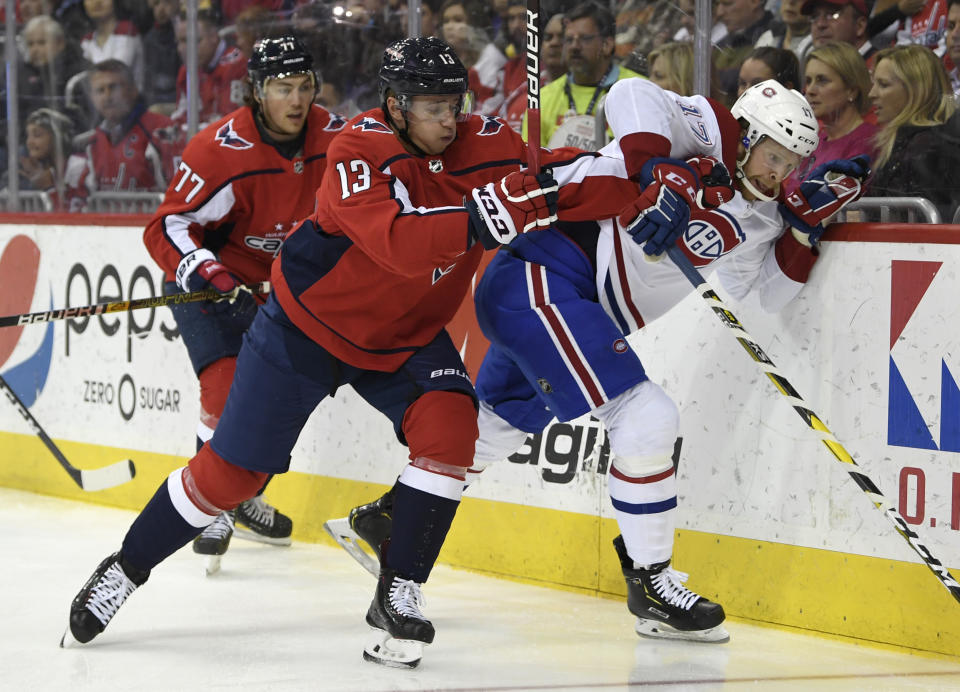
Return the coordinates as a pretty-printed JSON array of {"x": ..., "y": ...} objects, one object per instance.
[
  {"x": 716, "y": 188},
  {"x": 518, "y": 203},
  {"x": 656, "y": 219}
]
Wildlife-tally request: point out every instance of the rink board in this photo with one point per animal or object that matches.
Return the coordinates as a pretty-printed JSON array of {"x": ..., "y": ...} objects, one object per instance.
[{"x": 770, "y": 523}]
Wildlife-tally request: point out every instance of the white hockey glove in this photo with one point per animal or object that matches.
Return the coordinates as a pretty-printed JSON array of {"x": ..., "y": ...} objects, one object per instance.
[
  {"x": 517, "y": 203},
  {"x": 200, "y": 270}
]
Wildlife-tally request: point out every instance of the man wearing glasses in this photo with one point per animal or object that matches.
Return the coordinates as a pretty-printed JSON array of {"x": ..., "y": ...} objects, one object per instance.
[
  {"x": 568, "y": 105},
  {"x": 837, "y": 20}
]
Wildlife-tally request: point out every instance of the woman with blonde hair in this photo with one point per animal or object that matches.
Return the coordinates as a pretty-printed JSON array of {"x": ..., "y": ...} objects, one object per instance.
[
  {"x": 837, "y": 84},
  {"x": 671, "y": 67},
  {"x": 919, "y": 139}
]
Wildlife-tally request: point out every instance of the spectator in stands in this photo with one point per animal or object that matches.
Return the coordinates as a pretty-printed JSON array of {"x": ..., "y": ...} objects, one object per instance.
[
  {"x": 253, "y": 23},
  {"x": 788, "y": 31},
  {"x": 222, "y": 71},
  {"x": 766, "y": 63},
  {"x": 745, "y": 20},
  {"x": 951, "y": 60},
  {"x": 34, "y": 8},
  {"x": 332, "y": 96},
  {"x": 514, "y": 79},
  {"x": 837, "y": 85},
  {"x": 671, "y": 68},
  {"x": 231, "y": 9},
  {"x": 161, "y": 57},
  {"x": 919, "y": 139},
  {"x": 113, "y": 36},
  {"x": 643, "y": 25},
  {"x": 131, "y": 149},
  {"x": 568, "y": 104},
  {"x": 907, "y": 21},
  {"x": 49, "y": 65},
  {"x": 837, "y": 20},
  {"x": 552, "y": 66},
  {"x": 46, "y": 156},
  {"x": 688, "y": 23},
  {"x": 462, "y": 25}
]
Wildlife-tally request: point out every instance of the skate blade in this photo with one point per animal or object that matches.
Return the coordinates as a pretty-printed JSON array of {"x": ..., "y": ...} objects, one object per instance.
[
  {"x": 68, "y": 641},
  {"x": 654, "y": 629},
  {"x": 340, "y": 531},
  {"x": 395, "y": 653},
  {"x": 211, "y": 565},
  {"x": 250, "y": 535}
]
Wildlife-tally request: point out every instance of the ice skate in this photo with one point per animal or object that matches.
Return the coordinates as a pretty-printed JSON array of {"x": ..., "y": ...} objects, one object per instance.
[
  {"x": 214, "y": 541},
  {"x": 665, "y": 609},
  {"x": 257, "y": 520},
  {"x": 100, "y": 598},
  {"x": 399, "y": 629},
  {"x": 370, "y": 523}
]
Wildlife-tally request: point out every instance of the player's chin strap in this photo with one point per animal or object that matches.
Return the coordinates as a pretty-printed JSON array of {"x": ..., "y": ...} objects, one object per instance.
[
  {"x": 742, "y": 176},
  {"x": 402, "y": 133}
]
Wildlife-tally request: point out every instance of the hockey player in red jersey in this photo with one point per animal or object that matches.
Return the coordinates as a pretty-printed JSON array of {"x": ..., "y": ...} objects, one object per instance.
[
  {"x": 362, "y": 292},
  {"x": 244, "y": 183},
  {"x": 557, "y": 306}
]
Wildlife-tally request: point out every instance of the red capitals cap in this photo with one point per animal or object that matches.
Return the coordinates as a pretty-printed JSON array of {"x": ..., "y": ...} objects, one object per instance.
[{"x": 859, "y": 5}]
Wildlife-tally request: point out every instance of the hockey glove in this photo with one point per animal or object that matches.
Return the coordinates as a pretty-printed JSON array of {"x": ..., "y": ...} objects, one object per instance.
[
  {"x": 828, "y": 188},
  {"x": 200, "y": 270},
  {"x": 656, "y": 219},
  {"x": 517, "y": 203},
  {"x": 716, "y": 187}
]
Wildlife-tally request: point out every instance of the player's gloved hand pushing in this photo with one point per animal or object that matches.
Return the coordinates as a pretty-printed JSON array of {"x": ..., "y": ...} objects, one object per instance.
[
  {"x": 659, "y": 216},
  {"x": 828, "y": 188},
  {"x": 517, "y": 203},
  {"x": 201, "y": 270}
]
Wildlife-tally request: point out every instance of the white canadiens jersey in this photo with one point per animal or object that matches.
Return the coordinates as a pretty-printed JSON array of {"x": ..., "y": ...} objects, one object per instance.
[{"x": 744, "y": 241}]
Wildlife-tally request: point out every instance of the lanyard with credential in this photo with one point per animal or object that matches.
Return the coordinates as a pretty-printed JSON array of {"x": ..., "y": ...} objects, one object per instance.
[{"x": 602, "y": 86}]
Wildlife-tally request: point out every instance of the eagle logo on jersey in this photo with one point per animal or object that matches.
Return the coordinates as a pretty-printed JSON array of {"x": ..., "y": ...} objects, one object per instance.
[
  {"x": 491, "y": 125},
  {"x": 710, "y": 235},
  {"x": 228, "y": 137},
  {"x": 337, "y": 122},
  {"x": 368, "y": 124},
  {"x": 441, "y": 272}
]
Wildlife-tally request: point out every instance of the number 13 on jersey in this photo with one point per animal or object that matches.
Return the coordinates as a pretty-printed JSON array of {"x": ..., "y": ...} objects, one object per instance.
[{"x": 354, "y": 181}]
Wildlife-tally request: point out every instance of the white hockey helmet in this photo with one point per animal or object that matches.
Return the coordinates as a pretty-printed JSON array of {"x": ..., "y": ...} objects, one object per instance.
[
  {"x": 784, "y": 115},
  {"x": 771, "y": 110}
]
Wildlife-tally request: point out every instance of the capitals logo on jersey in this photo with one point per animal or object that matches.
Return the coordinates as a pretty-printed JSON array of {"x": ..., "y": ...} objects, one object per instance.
[
  {"x": 369, "y": 124},
  {"x": 711, "y": 234},
  {"x": 336, "y": 123},
  {"x": 491, "y": 125},
  {"x": 228, "y": 137}
]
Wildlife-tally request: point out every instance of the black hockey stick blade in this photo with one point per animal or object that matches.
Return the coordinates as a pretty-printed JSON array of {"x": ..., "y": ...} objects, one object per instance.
[
  {"x": 125, "y": 305},
  {"x": 89, "y": 480},
  {"x": 813, "y": 421}
]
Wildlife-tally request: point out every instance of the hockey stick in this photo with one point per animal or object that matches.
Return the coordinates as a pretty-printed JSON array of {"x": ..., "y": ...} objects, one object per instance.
[
  {"x": 125, "y": 305},
  {"x": 533, "y": 85},
  {"x": 89, "y": 480},
  {"x": 812, "y": 420}
]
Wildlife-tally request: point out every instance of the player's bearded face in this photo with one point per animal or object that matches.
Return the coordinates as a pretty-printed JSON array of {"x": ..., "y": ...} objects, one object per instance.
[
  {"x": 432, "y": 121},
  {"x": 285, "y": 103},
  {"x": 769, "y": 164}
]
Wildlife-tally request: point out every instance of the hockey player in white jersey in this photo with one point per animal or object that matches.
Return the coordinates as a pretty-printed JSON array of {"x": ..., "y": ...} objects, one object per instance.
[{"x": 557, "y": 304}]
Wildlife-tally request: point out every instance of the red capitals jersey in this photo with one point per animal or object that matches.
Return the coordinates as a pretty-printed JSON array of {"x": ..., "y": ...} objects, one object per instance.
[
  {"x": 238, "y": 196},
  {"x": 384, "y": 264},
  {"x": 141, "y": 158},
  {"x": 221, "y": 87}
]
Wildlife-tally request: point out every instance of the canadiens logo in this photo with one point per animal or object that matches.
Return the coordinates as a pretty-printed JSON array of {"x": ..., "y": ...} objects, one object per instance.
[
  {"x": 337, "y": 122},
  {"x": 436, "y": 165},
  {"x": 710, "y": 235},
  {"x": 491, "y": 125},
  {"x": 368, "y": 124},
  {"x": 228, "y": 137},
  {"x": 620, "y": 346},
  {"x": 769, "y": 92}
]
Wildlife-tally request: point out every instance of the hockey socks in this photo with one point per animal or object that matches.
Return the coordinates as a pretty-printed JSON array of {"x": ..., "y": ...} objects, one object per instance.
[
  {"x": 424, "y": 505},
  {"x": 645, "y": 507},
  {"x": 161, "y": 529}
]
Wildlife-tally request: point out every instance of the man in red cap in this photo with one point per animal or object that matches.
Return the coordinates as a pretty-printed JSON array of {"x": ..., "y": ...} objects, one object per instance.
[{"x": 837, "y": 20}]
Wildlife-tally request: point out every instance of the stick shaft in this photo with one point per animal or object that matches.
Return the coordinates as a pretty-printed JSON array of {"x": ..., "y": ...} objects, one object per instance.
[
  {"x": 121, "y": 306},
  {"x": 533, "y": 85},
  {"x": 813, "y": 420}
]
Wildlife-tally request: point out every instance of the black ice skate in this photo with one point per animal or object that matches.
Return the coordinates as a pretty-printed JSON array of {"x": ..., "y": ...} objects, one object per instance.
[
  {"x": 257, "y": 520},
  {"x": 665, "y": 609},
  {"x": 100, "y": 598},
  {"x": 399, "y": 628},
  {"x": 370, "y": 523},
  {"x": 214, "y": 541}
]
